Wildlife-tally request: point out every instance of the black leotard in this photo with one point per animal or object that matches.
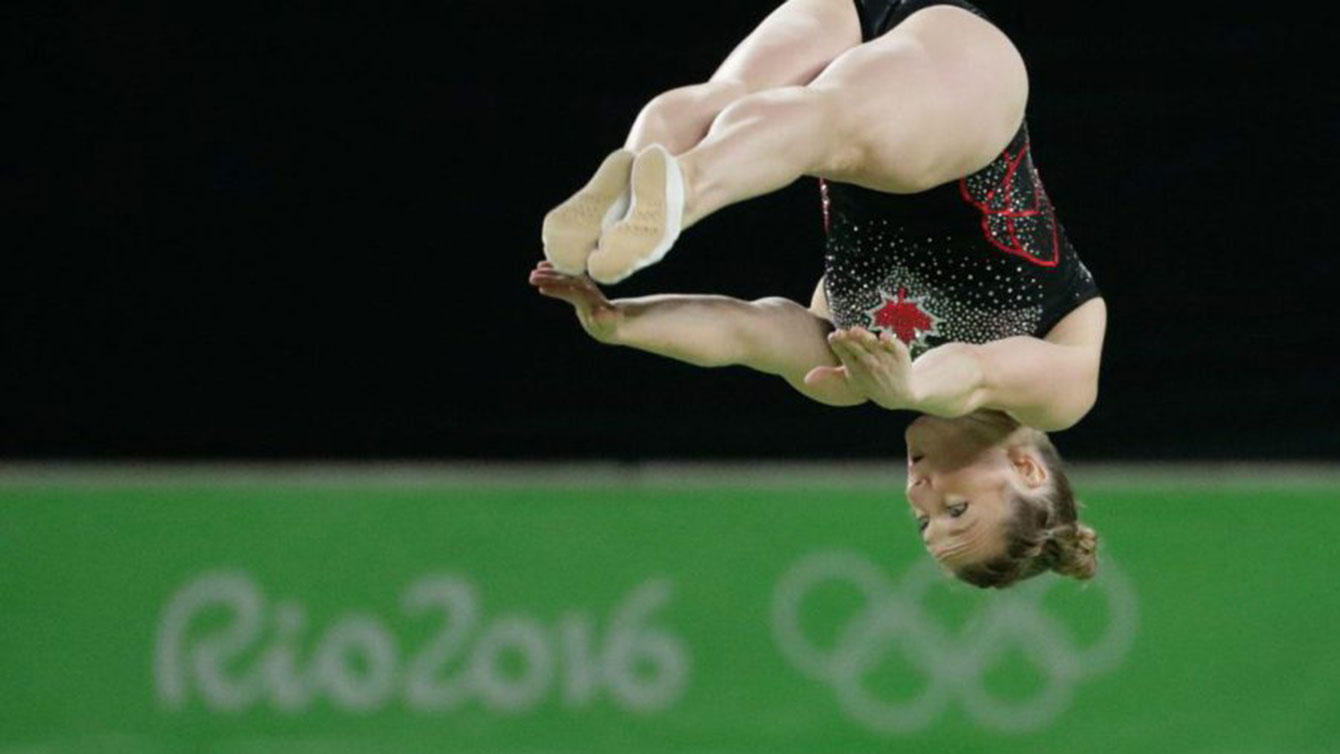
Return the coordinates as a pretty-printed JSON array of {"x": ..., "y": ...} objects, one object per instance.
[{"x": 974, "y": 260}]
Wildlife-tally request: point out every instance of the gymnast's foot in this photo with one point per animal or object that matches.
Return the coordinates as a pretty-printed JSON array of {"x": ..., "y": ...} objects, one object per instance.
[
  {"x": 572, "y": 228},
  {"x": 653, "y": 221}
]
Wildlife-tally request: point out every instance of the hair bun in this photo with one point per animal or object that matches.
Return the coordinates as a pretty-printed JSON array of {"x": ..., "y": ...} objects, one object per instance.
[{"x": 1076, "y": 548}]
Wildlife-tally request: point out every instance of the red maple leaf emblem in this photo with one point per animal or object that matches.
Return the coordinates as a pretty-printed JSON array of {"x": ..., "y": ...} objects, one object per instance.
[{"x": 903, "y": 317}]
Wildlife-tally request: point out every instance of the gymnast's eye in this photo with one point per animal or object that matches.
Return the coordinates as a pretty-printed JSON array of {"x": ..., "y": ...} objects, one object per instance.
[
  {"x": 957, "y": 509},
  {"x": 922, "y": 523}
]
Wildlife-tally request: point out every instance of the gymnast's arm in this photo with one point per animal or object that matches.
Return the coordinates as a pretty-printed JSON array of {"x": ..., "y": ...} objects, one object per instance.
[
  {"x": 1046, "y": 384},
  {"x": 771, "y": 335}
]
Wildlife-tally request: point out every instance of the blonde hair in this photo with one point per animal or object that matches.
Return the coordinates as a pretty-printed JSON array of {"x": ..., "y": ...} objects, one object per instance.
[{"x": 1044, "y": 534}]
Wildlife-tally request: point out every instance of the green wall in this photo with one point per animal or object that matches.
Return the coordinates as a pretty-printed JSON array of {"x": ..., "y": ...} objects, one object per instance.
[{"x": 369, "y": 616}]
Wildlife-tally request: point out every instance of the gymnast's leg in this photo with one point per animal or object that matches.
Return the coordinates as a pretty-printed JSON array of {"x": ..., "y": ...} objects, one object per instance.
[
  {"x": 790, "y": 47},
  {"x": 933, "y": 100}
]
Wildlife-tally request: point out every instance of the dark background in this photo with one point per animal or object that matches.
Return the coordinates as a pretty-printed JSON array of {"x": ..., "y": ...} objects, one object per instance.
[{"x": 303, "y": 229}]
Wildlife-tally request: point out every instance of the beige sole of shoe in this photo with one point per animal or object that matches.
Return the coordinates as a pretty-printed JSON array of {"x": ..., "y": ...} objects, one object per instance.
[
  {"x": 654, "y": 220},
  {"x": 572, "y": 229}
]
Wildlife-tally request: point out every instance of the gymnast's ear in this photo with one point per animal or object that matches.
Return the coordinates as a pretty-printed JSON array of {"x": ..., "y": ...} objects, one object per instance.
[{"x": 1028, "y": 463}]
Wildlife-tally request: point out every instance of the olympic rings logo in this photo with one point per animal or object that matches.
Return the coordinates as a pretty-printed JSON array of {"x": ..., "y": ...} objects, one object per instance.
[{"x": 955, "y": 665}]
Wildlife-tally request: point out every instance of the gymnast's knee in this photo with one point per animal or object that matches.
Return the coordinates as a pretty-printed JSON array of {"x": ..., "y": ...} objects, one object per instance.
[{"x": 679, "y": 118}]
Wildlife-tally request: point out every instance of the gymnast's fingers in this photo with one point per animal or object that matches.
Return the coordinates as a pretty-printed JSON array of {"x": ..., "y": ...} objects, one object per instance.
[
  {"x": 854, "y": 355},
  {"x": 896, "y": 348},
  {"x": 864, "y": 344}
]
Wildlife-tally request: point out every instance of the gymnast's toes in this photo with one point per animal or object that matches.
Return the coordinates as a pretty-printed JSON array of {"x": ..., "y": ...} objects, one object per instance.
[
  {"x": 571, "y": 229},
  {"x": 652, "y": 223}
]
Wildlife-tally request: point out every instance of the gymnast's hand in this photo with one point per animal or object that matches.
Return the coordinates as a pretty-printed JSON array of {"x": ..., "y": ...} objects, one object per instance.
[
  {"x": 598, "y": 316},
  {"x": 879, "y": 368}
]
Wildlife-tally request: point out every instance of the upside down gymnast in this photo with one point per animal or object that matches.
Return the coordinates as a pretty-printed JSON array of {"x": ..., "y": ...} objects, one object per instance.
[{"x": 950, "y": 288}]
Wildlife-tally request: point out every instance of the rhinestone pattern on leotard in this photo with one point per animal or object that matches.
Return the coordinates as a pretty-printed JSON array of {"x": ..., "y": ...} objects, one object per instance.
[{"x": 976, "y": 260}]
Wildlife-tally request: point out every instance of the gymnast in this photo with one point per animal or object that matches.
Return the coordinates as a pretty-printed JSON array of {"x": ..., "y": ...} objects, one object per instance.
[{"x": 950, "y": 288}]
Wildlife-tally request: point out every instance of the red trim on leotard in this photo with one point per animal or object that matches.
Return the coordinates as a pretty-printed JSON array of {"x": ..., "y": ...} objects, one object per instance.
[{"x": 1010, "y": 215}]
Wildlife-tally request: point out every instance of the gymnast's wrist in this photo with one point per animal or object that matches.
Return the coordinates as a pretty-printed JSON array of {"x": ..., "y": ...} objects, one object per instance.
[
  {"x": 924, "y": 398},
  {"x": 609, "y": 323}
]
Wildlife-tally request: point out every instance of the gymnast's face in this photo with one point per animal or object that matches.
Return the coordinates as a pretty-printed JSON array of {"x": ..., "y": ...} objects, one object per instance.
[{"x": 961, "y": 476}]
